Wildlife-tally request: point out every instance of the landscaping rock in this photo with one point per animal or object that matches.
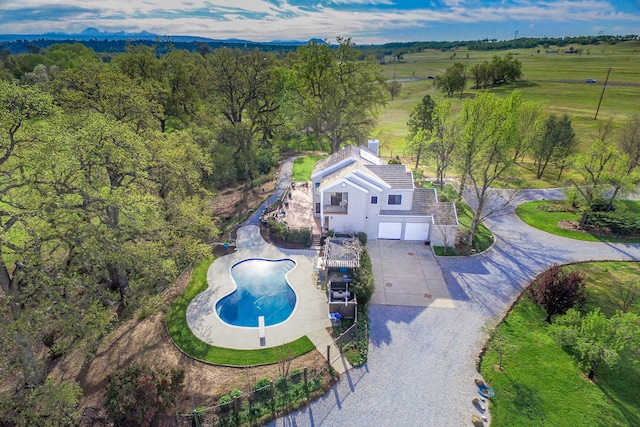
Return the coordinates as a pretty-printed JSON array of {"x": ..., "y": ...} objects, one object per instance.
[{"x": 477, "y": 421}]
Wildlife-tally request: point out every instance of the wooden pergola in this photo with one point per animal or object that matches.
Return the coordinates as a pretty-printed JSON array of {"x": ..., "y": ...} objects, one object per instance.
[{"x": 342, "y": 252}]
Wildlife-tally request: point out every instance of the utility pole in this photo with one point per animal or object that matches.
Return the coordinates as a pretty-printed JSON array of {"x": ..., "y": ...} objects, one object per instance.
[{"x": 602, "y": 94}]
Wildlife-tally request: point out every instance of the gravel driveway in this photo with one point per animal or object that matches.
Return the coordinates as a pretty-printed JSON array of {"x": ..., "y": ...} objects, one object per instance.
[{"x": 422, "y": 360}]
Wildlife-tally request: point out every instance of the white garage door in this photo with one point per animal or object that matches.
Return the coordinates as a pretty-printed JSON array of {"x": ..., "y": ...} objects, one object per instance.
[
  {"x": 390, "y": 230},
  {"x": 416, "y": 231}
]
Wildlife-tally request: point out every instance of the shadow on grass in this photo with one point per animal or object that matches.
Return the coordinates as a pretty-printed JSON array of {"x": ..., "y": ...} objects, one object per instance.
[
  {"x": 621, "y": 386},
  {"x": 527, "y": 401}
]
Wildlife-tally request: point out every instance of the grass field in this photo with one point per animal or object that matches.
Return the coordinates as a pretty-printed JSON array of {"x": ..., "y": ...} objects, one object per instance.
[
  {"x": 542, "y": 385},
  {"x": 194, "y": 347},
  {"x": 302, "y": 168},
  {"x": 548, "y": 221},
  {"x": 571, "y": 96}
]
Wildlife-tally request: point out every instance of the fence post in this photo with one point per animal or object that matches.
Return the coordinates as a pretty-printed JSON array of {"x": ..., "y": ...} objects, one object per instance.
[
  {"x": 236, "y": 409},
  {"x": 273, "y": 402},
  {"x": 306, "y": 384}
]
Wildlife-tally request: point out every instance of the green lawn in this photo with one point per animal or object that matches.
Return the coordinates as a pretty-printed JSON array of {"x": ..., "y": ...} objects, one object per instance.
[
  {"x": 302, "y": 168},
  {"x": 542, "y": 385},
  {"x": 482, "y": 240},
  {"x": 194, "y": 347},
  {"x": 548, "y": 221}
]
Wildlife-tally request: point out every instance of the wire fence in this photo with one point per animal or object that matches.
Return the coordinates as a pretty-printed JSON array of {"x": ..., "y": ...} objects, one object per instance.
[
  {"x": 266, "y": 401},
  {"x": 270, "y": 399}
]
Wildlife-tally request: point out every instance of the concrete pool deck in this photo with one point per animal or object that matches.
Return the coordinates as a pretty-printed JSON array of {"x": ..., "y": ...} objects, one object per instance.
[{"x": 310, "y": 316}]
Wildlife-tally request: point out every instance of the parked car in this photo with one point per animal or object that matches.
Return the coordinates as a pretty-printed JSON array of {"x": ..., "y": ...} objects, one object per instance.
[
  {"x": 430, "y": 77},
  {"x": 590, "y": 80}
]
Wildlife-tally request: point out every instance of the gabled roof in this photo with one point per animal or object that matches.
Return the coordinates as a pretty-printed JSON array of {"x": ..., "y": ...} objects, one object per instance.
[
  {"x": 397, "y": 176},
  {"x": 347, "y": 155},
  {"x": 423, "y": 199},
  {"x": 360, "y": 160},
  {"x": 444, "y": 213}
]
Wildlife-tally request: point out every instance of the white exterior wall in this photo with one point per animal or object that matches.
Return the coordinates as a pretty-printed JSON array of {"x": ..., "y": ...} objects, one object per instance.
[
  {"x": 407, "y": 199},
  {"x": 357, "y": 209},
  {"x": 441, "y": 234},
  {"x": 316, "y": 195}
]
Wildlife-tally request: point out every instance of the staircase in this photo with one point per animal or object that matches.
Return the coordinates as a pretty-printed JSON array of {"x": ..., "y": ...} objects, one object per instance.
[{"x": 316, "y": 241}]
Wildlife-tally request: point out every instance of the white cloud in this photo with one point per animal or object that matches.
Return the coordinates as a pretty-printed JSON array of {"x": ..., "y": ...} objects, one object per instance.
[
  {"x": 363, "y": 2},
  {"x": 286, "y": 21}
]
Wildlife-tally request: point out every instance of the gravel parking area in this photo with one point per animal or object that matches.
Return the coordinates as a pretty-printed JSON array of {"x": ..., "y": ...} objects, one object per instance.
[{"x": 422, "y": 359}]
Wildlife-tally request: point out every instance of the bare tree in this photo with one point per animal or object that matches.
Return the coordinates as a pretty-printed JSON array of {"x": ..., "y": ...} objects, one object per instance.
[{"x": 629, "y": 292}]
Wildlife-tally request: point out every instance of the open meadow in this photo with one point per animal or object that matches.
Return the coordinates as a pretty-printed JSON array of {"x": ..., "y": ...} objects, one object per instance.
[{"x": 555, "y": 80}]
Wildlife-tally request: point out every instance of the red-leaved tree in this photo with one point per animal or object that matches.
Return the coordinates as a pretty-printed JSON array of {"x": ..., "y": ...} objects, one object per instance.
[{"x": 557, "y": 291}]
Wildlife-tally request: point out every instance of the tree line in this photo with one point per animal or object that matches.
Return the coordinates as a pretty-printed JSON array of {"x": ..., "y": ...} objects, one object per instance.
[
  {"x": 485, "y": 75},
  {"x": 107, "y": 171}
]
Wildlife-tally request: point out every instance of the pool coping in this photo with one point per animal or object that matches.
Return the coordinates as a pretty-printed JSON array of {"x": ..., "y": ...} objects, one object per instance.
[{"x": 310, "y": 316}]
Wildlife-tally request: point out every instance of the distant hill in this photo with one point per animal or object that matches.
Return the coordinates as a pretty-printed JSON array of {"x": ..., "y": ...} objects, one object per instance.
[
  {"x": 104, "y": 41},
  {"x": 95, "y": 34},
  {"x": 113, "y": 42}
]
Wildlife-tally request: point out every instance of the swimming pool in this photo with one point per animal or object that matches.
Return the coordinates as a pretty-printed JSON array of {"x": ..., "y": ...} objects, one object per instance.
[{"x": 261, "y": 290}]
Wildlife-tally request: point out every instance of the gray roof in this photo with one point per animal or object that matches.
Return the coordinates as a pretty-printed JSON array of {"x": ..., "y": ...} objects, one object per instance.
[
  {"x": 335, "y": 158},
  {"x": 444, "y": 213},
  {"x": 423, "y": 200},
  {"x": 397, "y": 176}
]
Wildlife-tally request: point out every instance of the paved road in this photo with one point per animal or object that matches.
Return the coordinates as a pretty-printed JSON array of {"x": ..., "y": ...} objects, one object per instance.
[
  {"x": 609, "y": 83},
  {"x": 422, "y": 360}
]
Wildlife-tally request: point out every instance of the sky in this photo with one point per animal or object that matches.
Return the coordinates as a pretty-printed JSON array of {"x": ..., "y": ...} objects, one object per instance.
[{"x": 365, "y": 21}]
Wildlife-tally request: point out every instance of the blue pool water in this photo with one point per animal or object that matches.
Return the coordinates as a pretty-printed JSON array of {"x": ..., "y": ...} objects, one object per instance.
[{"x": 262, "y": 290}]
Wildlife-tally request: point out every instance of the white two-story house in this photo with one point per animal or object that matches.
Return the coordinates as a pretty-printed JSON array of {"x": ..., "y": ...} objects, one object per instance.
[{"x": 355, "y": 191}]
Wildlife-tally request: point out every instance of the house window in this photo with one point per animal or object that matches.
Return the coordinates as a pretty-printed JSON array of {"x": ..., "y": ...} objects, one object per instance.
[
  {"x": 395, "y": 199},
  {"x": 374, "y": 200},
  {"x": 317, "y": 208},
  {"x": 339, "y": 199}
]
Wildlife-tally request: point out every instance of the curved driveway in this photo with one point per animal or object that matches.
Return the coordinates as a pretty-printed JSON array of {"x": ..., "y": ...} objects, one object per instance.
[{"x": 422, "y": 360}]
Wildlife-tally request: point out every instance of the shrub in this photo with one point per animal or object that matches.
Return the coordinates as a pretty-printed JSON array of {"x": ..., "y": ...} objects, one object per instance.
[
  {"x": 149, "y": 306},
  {"x": 557, "y": 291},
  {"x": 262, "y": 390},
  {"x": 448, "y": 194},
  {"x": 140, "y": 395},
  {"x": 362, "y": 236},
  {"x": 357, "y": 350},
  {"x": 556, "y": 207},
  {"x": 623, "y": 223},
  {"x": 47, "y": 404},
  {"x": 362, "y": 284},
  {"x": 599, "y": 205},
  {"x": 224, "y": 404},
  {"x": 281, "y": 232}
]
